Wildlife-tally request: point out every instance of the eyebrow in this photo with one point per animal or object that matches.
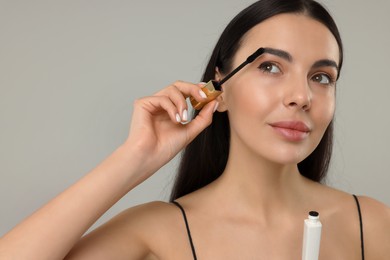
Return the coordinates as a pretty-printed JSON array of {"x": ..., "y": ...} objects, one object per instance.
[
  {"x": 280, "y": 53},
  {"x": 287, "y": 56},
  {"x": 325, "y": 63}
]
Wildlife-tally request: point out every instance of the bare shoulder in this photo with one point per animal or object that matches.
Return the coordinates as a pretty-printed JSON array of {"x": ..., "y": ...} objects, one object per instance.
[
  {"x": 161, "y": 227},
  {"x": 342, "y": 221},
  {"x": 148, "y": 212},
  {"x": 139, "y": 232},
  {"x": 375, "y": 207},
  {"x": 146, "y": 218},
  {"x": 376, "y": 227},
  {"x": 152, "y": 223},
  {"x": 375, "y": 223}
]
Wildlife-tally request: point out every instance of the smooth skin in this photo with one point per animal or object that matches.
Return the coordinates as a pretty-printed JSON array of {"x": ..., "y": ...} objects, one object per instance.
[{"x": 255, "y": 210}]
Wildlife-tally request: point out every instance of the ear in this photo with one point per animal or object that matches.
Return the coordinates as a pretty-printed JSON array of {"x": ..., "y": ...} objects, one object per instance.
[
  {"x": 221, "y": 98},
  {"x": 218, "y": 77}
]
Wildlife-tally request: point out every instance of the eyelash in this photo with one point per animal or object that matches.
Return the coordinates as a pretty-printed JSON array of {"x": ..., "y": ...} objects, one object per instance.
[
  {"x": 331, "y": 80},
  {"x": 265, "y": 67}
]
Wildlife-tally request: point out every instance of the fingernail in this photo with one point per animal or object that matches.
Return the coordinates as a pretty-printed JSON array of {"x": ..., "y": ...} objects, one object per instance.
[
  {"x": 202, "y": 83},
  {"x": 178, "y": 118},
  {"x": 185, "y": 115},
  {"x": 202, "y": 94},
  {"x": 216, "y": 106}
]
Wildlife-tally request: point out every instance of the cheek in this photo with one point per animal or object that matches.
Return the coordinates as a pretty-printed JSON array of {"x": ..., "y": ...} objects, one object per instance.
[
  {"x": 327, "y": 103},
  {"x": 251, "y": 96},
  {"x": 323, "y": 111}
]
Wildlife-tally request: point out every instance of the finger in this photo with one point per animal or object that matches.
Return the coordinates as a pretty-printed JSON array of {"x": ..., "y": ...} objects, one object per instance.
[
  {"x": 159, "y": 104},
  {"x": 188, "y": 90},
  {"x": 176, "y": 96},
  {"x": 193, "y": 90},
  {"x": 202, "y": 120},
  {"x": 179, "y": 91}
]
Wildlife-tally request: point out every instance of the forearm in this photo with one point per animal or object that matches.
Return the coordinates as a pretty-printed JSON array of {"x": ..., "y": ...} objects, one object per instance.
[
  {"x": 155, "y": 137},
  {"x": 53, "y": 230}
]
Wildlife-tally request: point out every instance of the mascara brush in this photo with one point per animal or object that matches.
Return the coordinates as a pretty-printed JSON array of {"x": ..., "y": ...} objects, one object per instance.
[{"x": 212, "y": 89}]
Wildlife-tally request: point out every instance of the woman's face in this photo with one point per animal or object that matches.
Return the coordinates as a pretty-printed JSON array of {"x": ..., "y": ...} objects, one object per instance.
[{"x": 280, "y": 105}]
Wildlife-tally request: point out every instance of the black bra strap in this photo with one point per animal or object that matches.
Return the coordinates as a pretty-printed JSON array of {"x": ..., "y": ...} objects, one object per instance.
[
  {"x": 361, "y": 225},
  {"x": 187, "y": 227}
]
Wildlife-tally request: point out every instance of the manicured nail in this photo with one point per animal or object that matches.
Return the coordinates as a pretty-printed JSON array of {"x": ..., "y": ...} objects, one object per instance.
[
  {"x": 203, "y": 95},
  {"x": 178, "y": 118},
  {"x": 216, "y": 106},
  {"x": 185, "y": 115}
]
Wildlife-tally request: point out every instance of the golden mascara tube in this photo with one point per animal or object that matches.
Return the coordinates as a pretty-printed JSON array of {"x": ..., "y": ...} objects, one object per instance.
[{"x": 212, "y": 89}]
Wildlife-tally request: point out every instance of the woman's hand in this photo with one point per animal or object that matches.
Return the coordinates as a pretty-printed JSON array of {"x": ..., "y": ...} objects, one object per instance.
[{"x": 160, "y": 128}]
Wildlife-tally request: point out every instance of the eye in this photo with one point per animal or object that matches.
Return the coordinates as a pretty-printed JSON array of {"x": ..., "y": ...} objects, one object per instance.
[
  {"x": 323, "y": 79},
  {"x": 269, "y": 67}
]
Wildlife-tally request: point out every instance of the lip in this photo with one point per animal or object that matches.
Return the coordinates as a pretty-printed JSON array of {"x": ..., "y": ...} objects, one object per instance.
[{"x": 291, "y": 130}]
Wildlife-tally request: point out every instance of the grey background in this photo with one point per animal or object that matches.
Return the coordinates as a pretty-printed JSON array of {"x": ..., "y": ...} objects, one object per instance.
[{"x": 70, "y": 70}]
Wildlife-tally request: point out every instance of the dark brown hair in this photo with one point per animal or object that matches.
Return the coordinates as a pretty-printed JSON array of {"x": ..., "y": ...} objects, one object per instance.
[{"x": 205, "y": 158}]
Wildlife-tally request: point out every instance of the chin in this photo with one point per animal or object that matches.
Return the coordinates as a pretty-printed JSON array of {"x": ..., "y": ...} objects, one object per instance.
[{"x": 287, "y": 156}]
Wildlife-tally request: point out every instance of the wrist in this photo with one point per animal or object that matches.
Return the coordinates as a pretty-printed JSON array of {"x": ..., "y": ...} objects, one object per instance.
[{"x": 133, "y": 163}]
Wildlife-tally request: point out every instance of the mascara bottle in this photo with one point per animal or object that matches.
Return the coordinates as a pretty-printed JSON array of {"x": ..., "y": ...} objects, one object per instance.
[
  {"x": 311, "y": 237},
  {"x": 212, "y": 89}
]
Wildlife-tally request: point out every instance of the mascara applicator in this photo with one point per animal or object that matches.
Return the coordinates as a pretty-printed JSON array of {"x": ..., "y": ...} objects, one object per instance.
[{"x": 212, "y": 89}]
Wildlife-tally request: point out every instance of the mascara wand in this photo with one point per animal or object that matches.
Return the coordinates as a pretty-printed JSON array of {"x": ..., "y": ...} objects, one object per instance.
[
  {"x": 248, "y": 60},
  {"x": 212, "y": 88}
]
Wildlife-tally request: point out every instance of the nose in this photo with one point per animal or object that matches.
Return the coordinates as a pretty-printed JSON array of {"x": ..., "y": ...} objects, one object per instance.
[{"x": 298, "y": 95}]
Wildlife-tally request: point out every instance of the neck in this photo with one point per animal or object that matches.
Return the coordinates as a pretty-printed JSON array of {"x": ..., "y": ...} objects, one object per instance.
[{"x": 260, "y": 186}]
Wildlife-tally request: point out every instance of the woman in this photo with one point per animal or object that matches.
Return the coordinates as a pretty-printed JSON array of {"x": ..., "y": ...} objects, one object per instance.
[{"x": 250, "y": 173}]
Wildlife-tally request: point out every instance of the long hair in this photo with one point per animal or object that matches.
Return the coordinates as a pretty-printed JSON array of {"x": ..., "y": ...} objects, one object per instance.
[{"x": 205, "y": 158}]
